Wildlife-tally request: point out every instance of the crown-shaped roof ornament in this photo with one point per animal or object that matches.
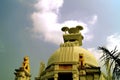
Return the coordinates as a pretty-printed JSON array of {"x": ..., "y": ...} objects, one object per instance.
[
  {"x": 72, "y": 30},
  {"x": 73, "y": 34}
]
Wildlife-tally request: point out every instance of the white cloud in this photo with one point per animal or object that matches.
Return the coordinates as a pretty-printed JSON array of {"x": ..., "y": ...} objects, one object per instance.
[
  {"x": 45, "y": 21},
  {"x": 93, "y": 20},
  {"x": 88, "y": 37},
  {"x": 96, "y": 53},
  {"x": 112, "y": 41},
  {"x": 49, "y": 5}
]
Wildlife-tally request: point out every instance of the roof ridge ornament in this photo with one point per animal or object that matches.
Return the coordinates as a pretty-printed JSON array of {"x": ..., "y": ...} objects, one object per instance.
[
  {"x": 73, "y": 34},
  {"x": 72, "y": 30}
]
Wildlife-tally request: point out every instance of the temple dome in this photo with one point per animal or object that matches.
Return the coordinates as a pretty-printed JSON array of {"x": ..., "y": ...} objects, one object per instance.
[{"x": 70, "y": 54}]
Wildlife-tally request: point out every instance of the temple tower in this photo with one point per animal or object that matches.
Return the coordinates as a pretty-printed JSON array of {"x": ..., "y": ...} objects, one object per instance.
[
  {"x": 71, "y": 61},
  {"x": 23, "y": 73}
]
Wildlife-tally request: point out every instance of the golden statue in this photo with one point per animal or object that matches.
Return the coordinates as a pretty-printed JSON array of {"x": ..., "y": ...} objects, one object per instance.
[
  {"x": 73, "y": 34},
  {"x": 26, "y": 65}
]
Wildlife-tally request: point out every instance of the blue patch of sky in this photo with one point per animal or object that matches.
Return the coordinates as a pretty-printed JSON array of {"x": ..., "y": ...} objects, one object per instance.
[{"x": 13, "y": 19}]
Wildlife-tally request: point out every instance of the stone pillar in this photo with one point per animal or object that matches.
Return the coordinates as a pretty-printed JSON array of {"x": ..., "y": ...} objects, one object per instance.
[
  {"x": 21, "y": 74},
  {"x": 75, "y": 76},
  {"x": 96, "y": 76},
  {"x": 56, "y": 76},
  {"x": 56, "y": 67},
  {"x": 82, "y": 75}
]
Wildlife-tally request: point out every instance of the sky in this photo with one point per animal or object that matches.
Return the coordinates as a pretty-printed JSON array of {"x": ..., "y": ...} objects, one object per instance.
[{"x": 33, "y": 28}]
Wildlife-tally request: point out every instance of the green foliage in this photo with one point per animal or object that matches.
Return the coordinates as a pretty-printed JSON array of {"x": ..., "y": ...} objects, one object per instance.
[{"x": 111, "y": 62}]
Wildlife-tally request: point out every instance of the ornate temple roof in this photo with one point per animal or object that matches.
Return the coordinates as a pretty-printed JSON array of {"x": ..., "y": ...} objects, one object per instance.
[
  {"x": 70, "y": 54},
  {"x": 70, "y": 50}
]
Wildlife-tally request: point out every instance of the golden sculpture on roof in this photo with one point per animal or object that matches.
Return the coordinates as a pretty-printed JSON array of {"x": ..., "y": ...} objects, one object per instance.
[
  {"x": 26, "y": 64},
  {"x": 73, "y": 35},
  {"x": 73, "y": 29}
]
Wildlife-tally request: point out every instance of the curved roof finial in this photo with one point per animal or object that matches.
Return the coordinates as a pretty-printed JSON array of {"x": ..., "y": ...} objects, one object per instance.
[
  {"x": 72, "y": 30},
  {"x": 73, "y": 34}
]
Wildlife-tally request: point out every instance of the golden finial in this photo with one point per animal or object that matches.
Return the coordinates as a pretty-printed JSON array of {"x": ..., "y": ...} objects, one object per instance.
[
  {"x": 73, "y": 29},
  {"x": 73, "y": 35}
]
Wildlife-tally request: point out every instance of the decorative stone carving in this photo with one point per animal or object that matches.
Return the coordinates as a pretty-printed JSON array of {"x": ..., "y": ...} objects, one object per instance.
[{"x": 26, "y": 64}]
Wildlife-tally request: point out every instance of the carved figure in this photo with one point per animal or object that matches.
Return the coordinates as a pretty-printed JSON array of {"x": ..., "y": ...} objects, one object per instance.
[{"x": 26, "y": 64}]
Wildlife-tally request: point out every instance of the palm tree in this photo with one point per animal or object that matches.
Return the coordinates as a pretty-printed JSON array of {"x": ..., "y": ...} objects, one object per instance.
[{"x": 112, "y": 62}]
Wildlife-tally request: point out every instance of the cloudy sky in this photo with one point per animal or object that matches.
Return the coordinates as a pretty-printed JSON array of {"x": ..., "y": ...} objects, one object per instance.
[{"x": 33, "y": 28}]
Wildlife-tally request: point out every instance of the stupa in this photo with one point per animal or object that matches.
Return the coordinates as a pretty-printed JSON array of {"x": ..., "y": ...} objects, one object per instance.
[{"x": 69, "y": 62}]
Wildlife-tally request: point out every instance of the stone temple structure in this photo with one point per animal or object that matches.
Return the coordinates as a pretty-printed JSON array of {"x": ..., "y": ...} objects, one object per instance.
[
  {"x": 23, "y": 73},
  {"x": 69, "y": 62}
]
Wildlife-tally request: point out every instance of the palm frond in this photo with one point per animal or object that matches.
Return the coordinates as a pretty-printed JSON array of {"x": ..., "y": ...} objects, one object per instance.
[{"x": 111, "y": 61}]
